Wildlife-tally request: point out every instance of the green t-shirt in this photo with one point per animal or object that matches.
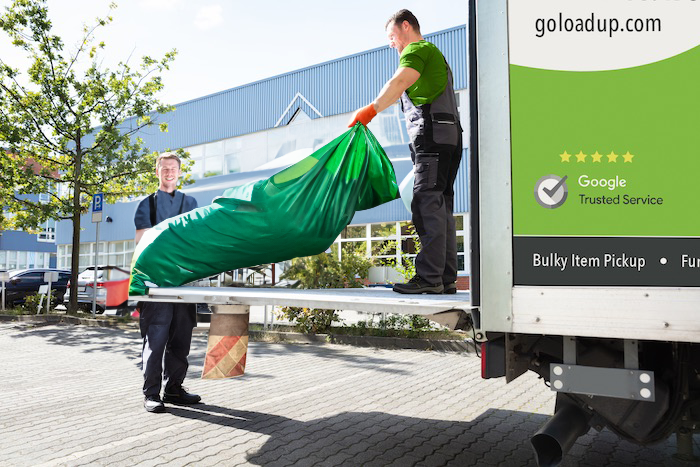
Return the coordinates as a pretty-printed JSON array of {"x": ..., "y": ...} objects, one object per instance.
[{"x": 426, "y": 59}]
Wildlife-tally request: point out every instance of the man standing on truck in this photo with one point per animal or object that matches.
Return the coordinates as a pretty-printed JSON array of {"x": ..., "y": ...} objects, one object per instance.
[
  {"x": 166, "y": 328},
  {"x": 423, "y": 82}
]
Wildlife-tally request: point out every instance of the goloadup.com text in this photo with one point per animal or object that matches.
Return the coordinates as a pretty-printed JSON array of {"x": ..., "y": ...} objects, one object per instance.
[{"x": 594, "y": 24}]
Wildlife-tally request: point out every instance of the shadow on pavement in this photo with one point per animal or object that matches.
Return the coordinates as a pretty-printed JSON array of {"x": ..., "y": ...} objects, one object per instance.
[
  {"x": 128, "y": 343},
  {"x": 387, "y": 365},
  {"x": 90, "y": 339},
  {"x": 496, "y": 437}
]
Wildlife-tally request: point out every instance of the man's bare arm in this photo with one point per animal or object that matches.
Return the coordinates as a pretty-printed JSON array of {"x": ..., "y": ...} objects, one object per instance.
[{"x": 403, "y": 79}]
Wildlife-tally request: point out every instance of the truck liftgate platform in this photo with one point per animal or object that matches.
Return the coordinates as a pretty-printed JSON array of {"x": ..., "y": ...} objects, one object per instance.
[{"x": 452, "y": 311}]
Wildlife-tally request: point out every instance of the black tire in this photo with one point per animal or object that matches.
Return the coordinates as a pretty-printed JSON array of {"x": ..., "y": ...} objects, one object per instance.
[
  {"x": 124, "y": 309},
  {"x": 58, "y": 297}
]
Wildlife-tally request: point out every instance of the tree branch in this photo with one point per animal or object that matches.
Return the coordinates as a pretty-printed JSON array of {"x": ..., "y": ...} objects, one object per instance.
[
  {"x": 80, "y": 49},
  {"x": 28, "y": 114},
  {"x": 48, "y": 90}
]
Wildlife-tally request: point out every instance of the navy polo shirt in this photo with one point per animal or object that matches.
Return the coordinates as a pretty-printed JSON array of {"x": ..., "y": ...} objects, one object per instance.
[{"x": 167, "y": 206}]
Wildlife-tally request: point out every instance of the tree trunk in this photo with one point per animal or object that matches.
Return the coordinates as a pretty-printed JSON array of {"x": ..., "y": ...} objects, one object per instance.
[{"x": 75, "y": 247}]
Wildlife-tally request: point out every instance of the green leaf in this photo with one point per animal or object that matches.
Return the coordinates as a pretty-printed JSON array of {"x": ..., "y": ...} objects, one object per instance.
[{"x": 48, "y": 115}]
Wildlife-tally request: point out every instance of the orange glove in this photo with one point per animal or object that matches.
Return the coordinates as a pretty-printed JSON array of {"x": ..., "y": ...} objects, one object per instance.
[{"x": 363, "y": 115}]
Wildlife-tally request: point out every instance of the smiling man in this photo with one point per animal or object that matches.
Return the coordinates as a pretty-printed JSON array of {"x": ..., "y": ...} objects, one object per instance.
[
  {"x": 423, "y": 82},
  {"x": 166, "y": 328}
]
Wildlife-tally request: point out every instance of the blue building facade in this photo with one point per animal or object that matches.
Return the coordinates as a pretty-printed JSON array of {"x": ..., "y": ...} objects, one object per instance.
[
  {"x": 22, "y": 250},
  {"x": 250, "y": 132}
]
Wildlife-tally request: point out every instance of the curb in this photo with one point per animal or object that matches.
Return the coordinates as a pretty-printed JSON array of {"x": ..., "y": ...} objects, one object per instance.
[
  {"x": 442, "y": 345},
  {"x": 55, "y": 319},
  {"x": 51, "y": 319},
  {"x": 390, "y": 343}
]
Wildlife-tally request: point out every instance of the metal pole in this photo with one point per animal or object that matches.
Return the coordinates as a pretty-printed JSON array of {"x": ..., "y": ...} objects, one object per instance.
[
  {"x": 94, "y": 284},
  {"x": 3, "y": 295},
  {"x": 48, "y": 298}
]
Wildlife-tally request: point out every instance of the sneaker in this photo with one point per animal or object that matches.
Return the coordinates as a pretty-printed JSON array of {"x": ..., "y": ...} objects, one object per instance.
[
  {"x": 450, "y": 288},
  {"x": 153, "y": 404},
  {"x": 181, "y": 397},
  {"x": 417, "y": 286}
]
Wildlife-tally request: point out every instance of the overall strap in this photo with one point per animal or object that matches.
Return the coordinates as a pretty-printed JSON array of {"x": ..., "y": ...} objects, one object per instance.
[
  {"x": 152, "y": 205},
  {"x": 182, "y": 203}
]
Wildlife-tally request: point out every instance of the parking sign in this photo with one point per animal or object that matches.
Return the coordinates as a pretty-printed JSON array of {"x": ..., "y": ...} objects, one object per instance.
[{"x": 97, "y": 203}]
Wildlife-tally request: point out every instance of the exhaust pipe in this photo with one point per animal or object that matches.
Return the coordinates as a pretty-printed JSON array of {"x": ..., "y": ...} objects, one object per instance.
[{"x": 557, "y": 436}]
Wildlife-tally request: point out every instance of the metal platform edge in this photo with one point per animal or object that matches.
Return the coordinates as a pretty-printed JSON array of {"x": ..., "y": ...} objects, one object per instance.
[{"x": 369, "y": 300}]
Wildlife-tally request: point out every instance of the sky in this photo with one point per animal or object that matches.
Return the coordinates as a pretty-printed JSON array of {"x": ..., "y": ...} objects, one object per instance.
[{"x": 226, "y": 43}]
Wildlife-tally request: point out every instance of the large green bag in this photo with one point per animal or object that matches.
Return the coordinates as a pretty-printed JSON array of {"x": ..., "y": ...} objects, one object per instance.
[{"x": 299, "y": 211}]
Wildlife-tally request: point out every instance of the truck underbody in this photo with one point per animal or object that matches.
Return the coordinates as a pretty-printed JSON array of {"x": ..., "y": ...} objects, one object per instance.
[{"x": 671, "y": 404}]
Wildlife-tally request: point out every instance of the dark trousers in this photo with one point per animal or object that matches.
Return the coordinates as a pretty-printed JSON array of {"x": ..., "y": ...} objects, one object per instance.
[
  {"x": 166, "y": 329},
  {"x": 432, "y": 207}
]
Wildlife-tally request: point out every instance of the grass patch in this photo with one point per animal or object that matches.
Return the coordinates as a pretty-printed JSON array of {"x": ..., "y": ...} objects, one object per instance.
[
  {"x": 16, "y": 312},
  {"x": 360, "y": 329},
  {"x": 25, "y": 311}
]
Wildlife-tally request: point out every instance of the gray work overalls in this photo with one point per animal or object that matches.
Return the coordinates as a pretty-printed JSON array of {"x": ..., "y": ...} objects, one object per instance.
[{"x": 436, "y": 150}]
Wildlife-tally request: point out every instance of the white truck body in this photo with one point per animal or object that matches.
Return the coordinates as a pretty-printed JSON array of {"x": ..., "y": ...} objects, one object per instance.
[
  {"x": 655, "y": 313},
  {"x": 618, "y": 346}
]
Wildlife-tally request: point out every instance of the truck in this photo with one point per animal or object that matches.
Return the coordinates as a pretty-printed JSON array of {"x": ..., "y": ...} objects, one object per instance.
[
  {"x": 585, "y": 242},
  {"x": 585, "y": 253}
]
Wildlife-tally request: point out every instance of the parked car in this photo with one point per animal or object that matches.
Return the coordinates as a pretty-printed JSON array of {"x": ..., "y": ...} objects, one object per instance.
[
  {"x": 24, "y": 282},
  {"x": 112, "y": 289}
]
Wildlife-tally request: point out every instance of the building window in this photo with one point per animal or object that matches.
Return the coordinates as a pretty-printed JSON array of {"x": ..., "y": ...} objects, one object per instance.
[
  {"x": 463, "y": 251},
  {"x": 110, "y": 254},
  {"x": 10, "y": 259},
  {"x": 233, "y": 163},
  {"x": 249, "y": 151},
  {"x": 392, "y": 243},
  {"x": 22, "y": 260},
  {"x": 48, "y": 233},
  {"x": 197, "y": 156}
]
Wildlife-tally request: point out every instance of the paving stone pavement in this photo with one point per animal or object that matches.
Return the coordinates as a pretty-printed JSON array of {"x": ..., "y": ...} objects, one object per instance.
[{"x": 71, "y": 396}]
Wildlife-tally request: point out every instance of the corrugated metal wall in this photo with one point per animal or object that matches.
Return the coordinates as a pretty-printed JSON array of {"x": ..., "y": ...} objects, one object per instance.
[
  {"x": 334, "y": 87},
  {"x": 121, "y": 228}
]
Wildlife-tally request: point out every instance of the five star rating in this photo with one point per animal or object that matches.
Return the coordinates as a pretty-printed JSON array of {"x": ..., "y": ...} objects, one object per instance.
[{"x": 596, "y": 157}]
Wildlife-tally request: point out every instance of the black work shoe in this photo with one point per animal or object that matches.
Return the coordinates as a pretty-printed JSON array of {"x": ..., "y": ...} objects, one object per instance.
[
  {"x": 450, "y": 288},
  {"x": 181, "y": 397},
  {"x": 417, "y": 285},
  {"x": 153, "y": 404}
]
